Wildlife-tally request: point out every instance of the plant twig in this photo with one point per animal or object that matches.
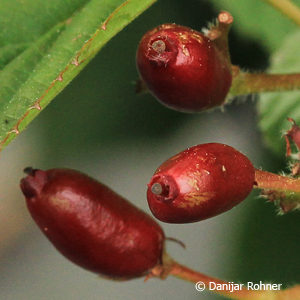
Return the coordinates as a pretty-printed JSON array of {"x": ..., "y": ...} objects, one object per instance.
[
  {"x": 270, "y": 181},
  {"x": 229, "y": 290},
  {"x": 204, "y": 281},
  {"x": 246, "y": 83},
  {"x": 284, "y": 191},
  {"x": 218, "y": 33},
  {"x": 287, "y": 8}
]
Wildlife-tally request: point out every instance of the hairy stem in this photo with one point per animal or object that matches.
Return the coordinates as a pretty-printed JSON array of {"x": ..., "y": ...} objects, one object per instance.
[
  {"x": 219, "y": 33},
  {"x": 247, "y": 83},
  {"x": 287, "y": 8},
  {"x": 270, "y": 181},
  {"x": 282, "y": 190}
]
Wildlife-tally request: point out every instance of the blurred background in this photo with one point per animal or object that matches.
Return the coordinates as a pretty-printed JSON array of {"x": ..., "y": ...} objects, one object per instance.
[{"x": 99, "y": 126}]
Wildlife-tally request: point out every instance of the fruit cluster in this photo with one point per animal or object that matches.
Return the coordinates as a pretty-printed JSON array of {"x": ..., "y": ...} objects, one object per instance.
[{"x": 101, "y": 231}]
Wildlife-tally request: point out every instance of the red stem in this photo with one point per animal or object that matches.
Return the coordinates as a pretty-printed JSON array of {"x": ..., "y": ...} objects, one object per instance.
[
  {"x": 270, "y": 181},
  {"x": 188, "y": 274}
]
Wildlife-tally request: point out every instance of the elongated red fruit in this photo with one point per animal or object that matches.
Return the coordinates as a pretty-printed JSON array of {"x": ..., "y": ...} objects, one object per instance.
[
  {"x": 199, "y": 183},
  {"x": 91, "y": 225},
  {"x": 183, "y": 68}
]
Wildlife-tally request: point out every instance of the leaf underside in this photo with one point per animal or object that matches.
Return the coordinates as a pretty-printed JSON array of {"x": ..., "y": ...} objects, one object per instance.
[{"x": 45, "y": 44}]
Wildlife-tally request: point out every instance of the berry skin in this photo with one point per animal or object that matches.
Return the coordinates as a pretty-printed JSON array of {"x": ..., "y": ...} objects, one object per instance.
[
  {"x": 183, "y": 69},
  {"x": 199, "y": 183},
  {"x": 91, "y": 225}
]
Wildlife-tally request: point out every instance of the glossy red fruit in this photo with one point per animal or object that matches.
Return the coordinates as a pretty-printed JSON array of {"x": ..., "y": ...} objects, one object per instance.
[
  {"x": 183, "y": 68},
  {"x": 199, "y": 183},
  {"x": 91, "y": 225}
]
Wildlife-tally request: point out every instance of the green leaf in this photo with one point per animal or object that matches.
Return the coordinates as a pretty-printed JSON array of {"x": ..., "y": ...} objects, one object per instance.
[
  {"x": 258, "y": 20},
  {"x": 45, "y": 44},
  {"x": 274, "y": 108}
]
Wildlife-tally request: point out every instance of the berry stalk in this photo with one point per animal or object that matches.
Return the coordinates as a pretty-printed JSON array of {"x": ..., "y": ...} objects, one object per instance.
[
  {"x": 219, "y": 32},
  {"x": 187, "y": 274},
  {"x": 171, "y": 267},
  {"x": 271, "y": 181},
  {"x": 246, "y": 83},
  {"x": 287, "y": 8},
  {"x": 282, "y": 190}
]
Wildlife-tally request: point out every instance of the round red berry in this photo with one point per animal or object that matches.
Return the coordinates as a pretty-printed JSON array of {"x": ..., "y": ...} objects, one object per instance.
[
  {"x": 91, "y": 225},
  {"x": 183, "y": 68},
  {"x": 199, "y": 183}
]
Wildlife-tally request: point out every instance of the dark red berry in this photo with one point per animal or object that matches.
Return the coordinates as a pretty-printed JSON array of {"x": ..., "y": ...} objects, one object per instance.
[
  {"x": 91, "y": 225},
  {"x": 183, "y": 68},
  {"x": 199, "y": 183}
]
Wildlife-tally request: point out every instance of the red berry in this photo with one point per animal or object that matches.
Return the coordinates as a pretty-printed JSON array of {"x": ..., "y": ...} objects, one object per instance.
[
  {"x": 183, "y": 68},
  {"x": 199, "y": 183},
  {"x": 91, "y": 225}
]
